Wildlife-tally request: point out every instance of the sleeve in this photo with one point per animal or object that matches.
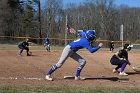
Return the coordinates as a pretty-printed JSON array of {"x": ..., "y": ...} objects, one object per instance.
[
  {"x": 120, "y": 53},
  {"x": 123, "y": 54},
  {"x": 126, "y": 56},
  {"x": 27, "y": 44},
  {"x": 91, "y": 49},
  {"x": 20, "y": 43}
]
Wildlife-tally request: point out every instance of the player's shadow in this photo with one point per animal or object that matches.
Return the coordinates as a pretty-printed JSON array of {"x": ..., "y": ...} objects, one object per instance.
[
  {"x": 133, "y": 73},
  {"x": 34, "y": 55},
  {"x": 102, "y": 78},
  {"x": 108, "y": 78}
]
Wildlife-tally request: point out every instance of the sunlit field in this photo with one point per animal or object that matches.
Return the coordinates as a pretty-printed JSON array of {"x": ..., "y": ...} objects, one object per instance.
[{"x": 22, "y": 74}]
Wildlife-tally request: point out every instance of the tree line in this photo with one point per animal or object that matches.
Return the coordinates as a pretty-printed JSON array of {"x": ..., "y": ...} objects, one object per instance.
[{"x": 34, "y": 19}]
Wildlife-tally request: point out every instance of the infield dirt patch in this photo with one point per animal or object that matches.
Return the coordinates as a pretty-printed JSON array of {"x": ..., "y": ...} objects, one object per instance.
[{"x": 31, "y": 70}]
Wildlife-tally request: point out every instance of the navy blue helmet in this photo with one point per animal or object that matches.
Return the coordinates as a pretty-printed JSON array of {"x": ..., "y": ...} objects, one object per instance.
[{"x": 90, "y": 35}]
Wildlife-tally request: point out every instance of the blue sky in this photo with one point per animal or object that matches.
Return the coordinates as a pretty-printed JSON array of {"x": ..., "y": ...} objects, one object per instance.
[{"x": 130, "y": 3}]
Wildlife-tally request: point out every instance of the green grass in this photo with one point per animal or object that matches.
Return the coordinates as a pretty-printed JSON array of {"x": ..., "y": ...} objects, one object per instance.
[
  {"x": 41, "y": 47},
  {"x": 66, "y": 89},
  {"x": 34, "y": 47}
]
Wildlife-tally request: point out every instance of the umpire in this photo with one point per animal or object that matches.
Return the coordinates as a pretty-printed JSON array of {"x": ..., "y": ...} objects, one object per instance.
[{"x": 24, "y": 45}]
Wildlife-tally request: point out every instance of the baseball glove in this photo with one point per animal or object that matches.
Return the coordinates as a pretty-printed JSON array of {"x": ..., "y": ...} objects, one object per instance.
[{"x": 137, "y": 69}]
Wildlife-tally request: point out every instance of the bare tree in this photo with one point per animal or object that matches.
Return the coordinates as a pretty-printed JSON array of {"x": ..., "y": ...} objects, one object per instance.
[{"x": 30, "y": 19}]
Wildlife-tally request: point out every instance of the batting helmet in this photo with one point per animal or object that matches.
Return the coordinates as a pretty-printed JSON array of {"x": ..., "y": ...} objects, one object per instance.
[
  {"x": 90, "y": 35},
  {"x": 81, "y": 34}
]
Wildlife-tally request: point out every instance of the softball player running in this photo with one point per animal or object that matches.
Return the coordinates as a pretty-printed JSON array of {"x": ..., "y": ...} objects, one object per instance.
[
  {"x": 24, "y": 45},
  {"x": 121, "y": 60},
  {"x": 70, "y": 51}
]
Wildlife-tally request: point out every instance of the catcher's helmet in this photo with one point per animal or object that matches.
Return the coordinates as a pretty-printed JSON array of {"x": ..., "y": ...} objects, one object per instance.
[
  {"x": 127, "y": 46},
  {"x": 90, "y": 35}
]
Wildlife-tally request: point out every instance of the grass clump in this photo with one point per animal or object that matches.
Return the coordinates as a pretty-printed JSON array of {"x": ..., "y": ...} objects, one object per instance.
[{"x": 65, "y": 89}]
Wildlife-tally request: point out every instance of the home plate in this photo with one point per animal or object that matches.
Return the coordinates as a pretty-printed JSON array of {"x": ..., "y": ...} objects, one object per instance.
[{"x": 69, "y": 77}]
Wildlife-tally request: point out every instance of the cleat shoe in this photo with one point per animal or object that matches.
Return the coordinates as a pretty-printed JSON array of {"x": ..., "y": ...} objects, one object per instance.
[
  {"x": 123, "y": 74},
  {"x": 49, "y": 78},
  {"x": 79, "y": 78},
  {"x": 28, "y": 55},
  {"x": 115, "y": 71}
]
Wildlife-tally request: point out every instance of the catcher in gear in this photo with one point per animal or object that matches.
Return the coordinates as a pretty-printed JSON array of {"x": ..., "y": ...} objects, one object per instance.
[
  {"x": 24, "y": 45},
  {"x": 71, "y": 51},
  {"x": 121, "y": 60}
]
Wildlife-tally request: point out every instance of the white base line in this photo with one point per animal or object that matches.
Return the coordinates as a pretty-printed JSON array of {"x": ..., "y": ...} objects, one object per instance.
[{"x": 16, "y": 78}]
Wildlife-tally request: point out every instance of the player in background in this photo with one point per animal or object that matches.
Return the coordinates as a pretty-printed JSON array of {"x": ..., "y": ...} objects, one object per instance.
[
  {"x": 121, "y": 60},
  {"x": 47, "y": 44},
  {"x": 71, "y": 51},
  {"x": 111, "y": 46},
  {"x": 24, "y": 45}
]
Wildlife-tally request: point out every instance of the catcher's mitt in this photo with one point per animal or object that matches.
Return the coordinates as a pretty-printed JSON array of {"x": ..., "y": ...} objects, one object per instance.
[{"x": 137, "y": 69}]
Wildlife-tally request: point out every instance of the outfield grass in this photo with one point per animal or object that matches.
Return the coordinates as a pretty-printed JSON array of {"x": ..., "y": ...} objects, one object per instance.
[
  {"x": 41, "y": 47},
  {"x": 34, "y": 47},
  {"x": 45, "y": 89}
]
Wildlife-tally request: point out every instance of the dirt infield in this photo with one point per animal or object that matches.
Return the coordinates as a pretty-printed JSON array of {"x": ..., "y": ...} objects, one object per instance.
[{"x": 31, "y": 70}]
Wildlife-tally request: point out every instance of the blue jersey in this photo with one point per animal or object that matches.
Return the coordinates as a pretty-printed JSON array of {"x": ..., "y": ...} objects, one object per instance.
[
  {"x": 46, "y": 41},
  {"x": 82, "y": 43}
]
